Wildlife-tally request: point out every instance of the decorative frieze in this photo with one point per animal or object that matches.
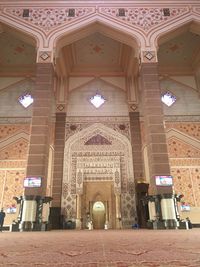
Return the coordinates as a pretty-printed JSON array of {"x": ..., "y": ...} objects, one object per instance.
[
  {"x": 13, "y": 164},
  {"x": 144, "y": 18},
  {"x": 184, "y": 118},
  {"x": 121, "y": 125},
  {"x": 49, "y": 18},
  {"x": 18, "y": 120},
  {"x": 185, "y": 162}
]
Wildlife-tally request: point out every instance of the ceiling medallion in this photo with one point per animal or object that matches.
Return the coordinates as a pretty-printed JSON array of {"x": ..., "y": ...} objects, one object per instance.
[{"x": 97, "y": 100}]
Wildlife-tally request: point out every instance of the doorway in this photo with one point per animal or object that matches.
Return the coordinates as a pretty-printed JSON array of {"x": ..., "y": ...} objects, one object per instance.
[{"x": 98, "y": 215}]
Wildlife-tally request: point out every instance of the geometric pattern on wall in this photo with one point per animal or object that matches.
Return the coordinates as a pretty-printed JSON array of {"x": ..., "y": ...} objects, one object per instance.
[
  {"x": 69, "y": 206},
  {"x": 127, "y": 209},
  {"x": 183, "y": 184},
  {"x": 13, "y": 187},
  {"x": 184, "y": 155},
  {"x": 179, "y": 149},
  {"x": 17, "y": 150},
  {"x": 188, "y": 128},
  {"x": 8, "y": 130},
  {"x": 195, "y": 175}
]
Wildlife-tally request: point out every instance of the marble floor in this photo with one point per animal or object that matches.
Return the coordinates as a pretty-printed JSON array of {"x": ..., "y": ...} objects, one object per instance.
[{"x": 101, "y": 248}]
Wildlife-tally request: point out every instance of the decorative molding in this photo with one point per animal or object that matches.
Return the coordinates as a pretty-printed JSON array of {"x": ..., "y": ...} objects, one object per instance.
[
  {"x": 17, "y": 120},
  {"x": 185, "y": 162},
  {"x": 133, "y": 107},
  {"x": 13, "y": 164},
  {"x": 60, "y": 108},
  {"x": 185, "y": 118},
  {"x": 44, "y": 57},
  {"x": 148, "y": 56},
  {"x": 102, "y": 119}
]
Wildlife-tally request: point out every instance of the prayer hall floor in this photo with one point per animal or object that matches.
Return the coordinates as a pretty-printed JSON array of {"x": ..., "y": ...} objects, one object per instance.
[{"x": 101, "y": 248}]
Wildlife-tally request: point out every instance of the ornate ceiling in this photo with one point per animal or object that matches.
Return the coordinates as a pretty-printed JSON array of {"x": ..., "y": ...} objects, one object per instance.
[
  {"x": 96, "y": 54},
  {"x": 181, "y": 52}
]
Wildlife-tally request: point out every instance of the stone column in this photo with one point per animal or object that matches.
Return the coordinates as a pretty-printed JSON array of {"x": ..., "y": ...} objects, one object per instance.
[
  {"x": 155, "y": 133},
  {"x": 136, "y": 143},
  {"x": 38, "y": 153},
  {"x": 59, "y": 144},
  {"x": 78, "y": 211},
  {"x": 118, "y": 212}
]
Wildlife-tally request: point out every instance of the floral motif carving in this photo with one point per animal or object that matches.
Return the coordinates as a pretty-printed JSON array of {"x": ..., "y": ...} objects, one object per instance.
[
  {"x": 192, "y": 129},
  {"x": 48, "y": 18},
  {"x": 145, "y": 18},
  {"x": 179, "y": 149},
  {"x": 9, "y": 130},
  {"x": 17, "y": 150}
]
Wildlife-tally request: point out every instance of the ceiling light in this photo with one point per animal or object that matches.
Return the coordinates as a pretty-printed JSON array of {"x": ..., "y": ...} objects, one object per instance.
[
  {"x": 97, "y": 100},
  {"x": 168, "y": 99},
  {"x": 26, "y": 100}
]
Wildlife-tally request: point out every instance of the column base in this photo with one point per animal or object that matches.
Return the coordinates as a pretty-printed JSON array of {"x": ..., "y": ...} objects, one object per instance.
[
  {"x": 78, "y": 224},
  {"x": 164, "y": 224}
]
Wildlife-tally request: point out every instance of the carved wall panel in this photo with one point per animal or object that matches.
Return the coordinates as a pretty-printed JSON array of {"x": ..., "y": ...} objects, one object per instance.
[
  {"x": 98, "y": 154},
  {"x": 184, "y": 153},
  {"x": 119, "y": 124},
  {"x": 179, "y": 149},
  {"x": 18, "y": 150},
  {"x": 12, "y": 129},
  {"x": 13, "y": 161}
]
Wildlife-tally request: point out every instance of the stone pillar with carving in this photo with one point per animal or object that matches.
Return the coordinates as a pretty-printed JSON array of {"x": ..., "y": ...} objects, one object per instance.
[
  {"x": 38, "y": 153},
  {"x": 79, "y": 192},
  {"x": 136, "y": 143},
  {"x": 158, "y": 160},
  {"x": 118, "y": 211}
]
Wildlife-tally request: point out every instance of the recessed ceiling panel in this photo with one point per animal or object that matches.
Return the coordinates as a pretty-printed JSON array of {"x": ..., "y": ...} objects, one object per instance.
[{"x": 97, "y": 49}]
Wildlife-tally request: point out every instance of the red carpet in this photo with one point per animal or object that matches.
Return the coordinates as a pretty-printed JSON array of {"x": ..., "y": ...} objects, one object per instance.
[{"x": 98, "y": 248}]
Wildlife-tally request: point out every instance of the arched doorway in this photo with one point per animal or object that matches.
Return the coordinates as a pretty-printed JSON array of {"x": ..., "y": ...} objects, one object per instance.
[{"x": 98, "y": 215}]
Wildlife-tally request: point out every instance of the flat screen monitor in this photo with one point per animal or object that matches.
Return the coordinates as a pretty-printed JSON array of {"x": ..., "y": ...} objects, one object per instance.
[
  {"x": 11, "y": 210},
  {"x": 164, "y": 180},
  {"x": 32, "y": 182},
  {"x": 185, "y": 207}
]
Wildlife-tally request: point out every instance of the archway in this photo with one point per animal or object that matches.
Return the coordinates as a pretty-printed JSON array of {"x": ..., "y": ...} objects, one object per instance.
[{"x": 98, "y": 215}]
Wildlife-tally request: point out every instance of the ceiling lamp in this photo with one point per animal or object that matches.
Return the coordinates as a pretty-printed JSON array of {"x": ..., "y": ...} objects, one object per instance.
[
  {"x": 97, "y": 100},
  {"x": 26, "y": 100}
]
